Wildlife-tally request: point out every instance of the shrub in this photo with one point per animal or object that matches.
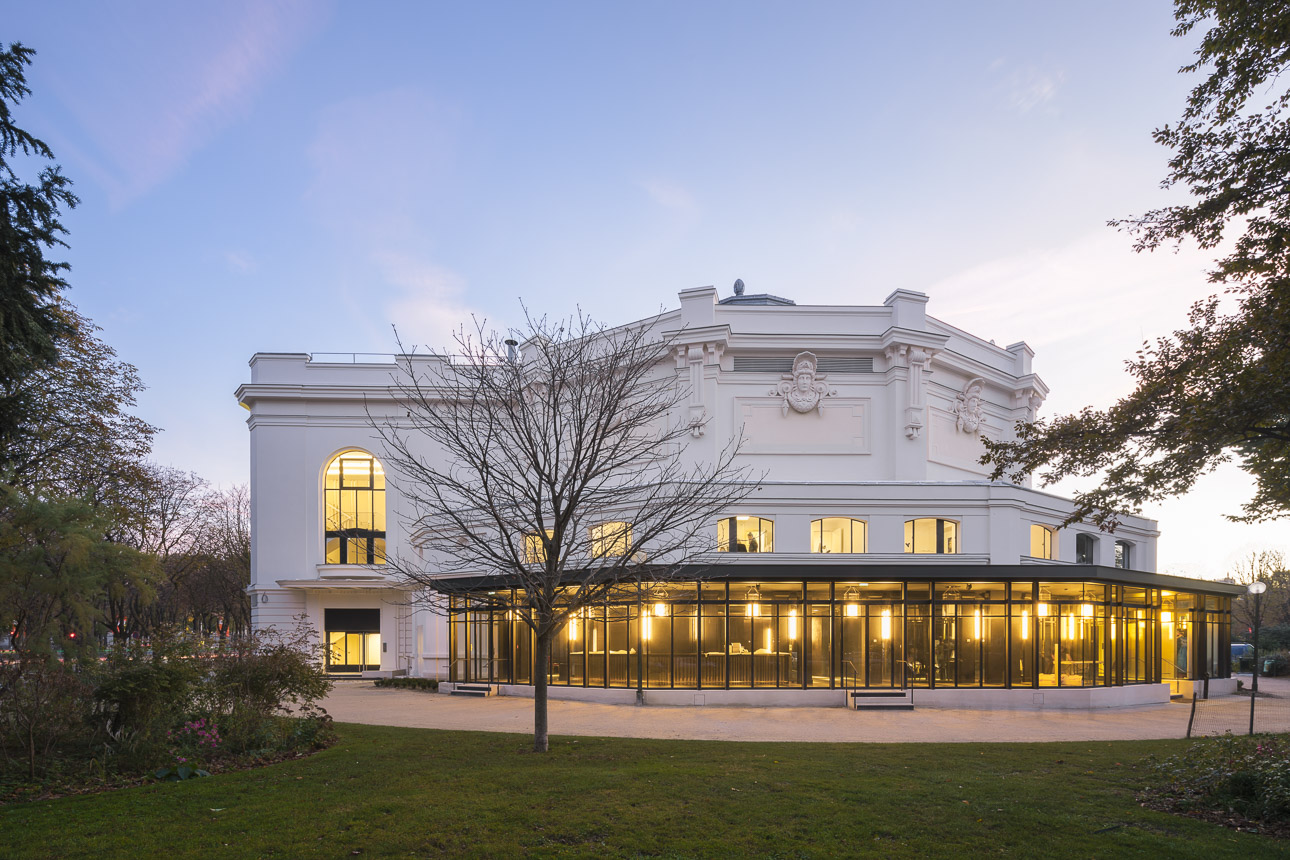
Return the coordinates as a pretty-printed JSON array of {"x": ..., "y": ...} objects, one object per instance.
[
  {"x": 44, "y": 710},
  {"x": 409, "y": 683},
  {"x": 143, "y": 692},
  {"x": 1247, "y": 776}
]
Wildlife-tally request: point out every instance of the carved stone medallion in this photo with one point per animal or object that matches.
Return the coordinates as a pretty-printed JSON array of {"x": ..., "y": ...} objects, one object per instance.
[
  {"x": 967, "y": 406},
  {"x": 804, "y": 388}
]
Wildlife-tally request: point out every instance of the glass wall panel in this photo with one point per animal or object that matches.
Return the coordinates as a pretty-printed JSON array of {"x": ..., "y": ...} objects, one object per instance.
[
  {"x": 968, "y": 653},
  {"x": 1047, "y": 629},
  {"x": 620, "y": 646},
  {"x": 819, "y": 644},
  {"x": 994, "y": 645},
  {"x": 849, "y": 636},
  {"x": 884, "y": 644},
  {"x": 1023, "y": 644},
  {"x": 819, "y": 591},
  {"x": 790, "y": 636},
  {"x": 595, "y": 643},
  {"x": 918, "y": 643},
  {"x": 578, "y": 635},
  {"x": 945, "y": 644},
  {"x": 685, "y": 644},
  {"x": 714, "y": 645}
]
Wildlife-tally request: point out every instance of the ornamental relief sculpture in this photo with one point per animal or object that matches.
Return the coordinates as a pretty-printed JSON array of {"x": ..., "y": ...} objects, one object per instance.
[
  {"x": 804, "y": 388},
  {"x": 967, "y": 406}
]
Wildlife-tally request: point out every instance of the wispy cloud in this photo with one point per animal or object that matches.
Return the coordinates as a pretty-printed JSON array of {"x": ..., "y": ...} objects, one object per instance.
[
  {"x": 1027, "y": 87},
  {"x": 671, "y": 195},
  {"x": 379, "y": 162},
  {"x": 241, "y": 262},
  {"x": 1084, "y": 306},
  {"x": 211, "y": 77},
  {"x": 427, "y": 304}
]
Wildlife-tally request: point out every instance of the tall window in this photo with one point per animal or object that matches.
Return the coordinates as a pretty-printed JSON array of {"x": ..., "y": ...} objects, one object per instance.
[
  {"x": 610, "y": 540},
  {"x": 839, "y": 534},
  {"x": 745, "y": 534},
  {"x": 1123, "y": 554},
  {"x": 931, "y": 535},
  {"x": 1085, "y": 549},
  {"x": 534, "y": 548},
  {"x": 355, "y": 501},
  {"x": 1041, "y": 541}
]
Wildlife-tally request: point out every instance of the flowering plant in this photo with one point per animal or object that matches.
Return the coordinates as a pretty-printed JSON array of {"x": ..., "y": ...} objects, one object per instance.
[{"x": 194, "y": 740}]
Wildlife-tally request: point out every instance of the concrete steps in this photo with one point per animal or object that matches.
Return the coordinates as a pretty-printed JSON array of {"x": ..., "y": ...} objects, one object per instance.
[
  {"x": 478, "y": 691},
  {"x": 882, "y": 700}
]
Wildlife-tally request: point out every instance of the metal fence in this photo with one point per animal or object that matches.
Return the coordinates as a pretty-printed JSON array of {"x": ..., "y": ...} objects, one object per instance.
[{"x": 1224, "y": 714}]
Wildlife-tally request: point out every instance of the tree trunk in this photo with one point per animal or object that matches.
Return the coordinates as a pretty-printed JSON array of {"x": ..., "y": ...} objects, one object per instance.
[{"x": 541, "y": 670}]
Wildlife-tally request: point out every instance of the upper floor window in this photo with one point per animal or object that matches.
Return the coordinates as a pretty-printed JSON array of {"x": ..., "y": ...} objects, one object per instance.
[
  {"x": 1041, "y": 541},
  {"x": 1123, "y": 554},
  {"x": 745, "y": 534},
  {"x": 354, "y": 497},
  {"x": 931, "y": 535},
  {"x": 610, "y": 540},
  {"x": 1085, "y": 549},
  {"x": 535, "y": 548},
  {"x": 839, "y": 534}
]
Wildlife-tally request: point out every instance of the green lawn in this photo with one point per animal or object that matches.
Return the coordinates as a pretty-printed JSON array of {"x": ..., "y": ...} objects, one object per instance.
[{"x": 416, "y": 792}]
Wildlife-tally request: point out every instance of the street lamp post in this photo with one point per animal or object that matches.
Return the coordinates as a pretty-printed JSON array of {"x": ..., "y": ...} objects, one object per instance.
[{"x": 1256, "y": 588}]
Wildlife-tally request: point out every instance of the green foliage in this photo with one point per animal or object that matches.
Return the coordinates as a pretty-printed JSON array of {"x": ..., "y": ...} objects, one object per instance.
[
  {"x": 178, "y": 774},
  {"x": 30, "y": 325},
  {"x": 1220, "y": 389},
  {"x": 55, "y": 568},
  {"x": 409, "y": 683},
  {"x": 170, "y": 700},
  {"x": 44, "y": 709},
  {"x": 1244, "y": 775}
]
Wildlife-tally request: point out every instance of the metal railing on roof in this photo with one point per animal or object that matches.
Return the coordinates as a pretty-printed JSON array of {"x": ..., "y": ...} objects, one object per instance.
[{"x": 352, "y": 357}]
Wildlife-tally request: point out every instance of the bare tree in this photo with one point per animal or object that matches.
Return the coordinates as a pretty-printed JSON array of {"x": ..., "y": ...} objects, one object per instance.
[
  {"x": 1273, "y": 608},
  {"x": 560, "y": 470},
  {"x": 226, "y": 549}
]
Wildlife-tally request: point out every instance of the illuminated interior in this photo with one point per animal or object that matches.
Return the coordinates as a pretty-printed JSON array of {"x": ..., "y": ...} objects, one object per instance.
[
  {"x": 834, "y": 634},
  {"x": 745, "y": 534},
  {"x": 354, "y": 495},
  {"x": 839, "y": 534},
  {"x": 931, "y": 535},
  {"x": 610, "y": 540},
  {"x": 1041, "y": 541}
]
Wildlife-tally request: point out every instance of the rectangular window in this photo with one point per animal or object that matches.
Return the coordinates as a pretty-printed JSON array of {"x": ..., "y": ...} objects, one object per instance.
[{"x": 610, "y": 540}]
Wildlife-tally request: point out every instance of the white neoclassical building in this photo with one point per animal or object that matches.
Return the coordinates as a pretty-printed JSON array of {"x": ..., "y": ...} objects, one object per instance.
[{"x": 877, "y": 557}]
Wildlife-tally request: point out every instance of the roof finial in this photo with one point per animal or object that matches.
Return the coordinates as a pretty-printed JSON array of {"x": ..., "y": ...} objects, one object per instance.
[{"x": 739, "y": 286}]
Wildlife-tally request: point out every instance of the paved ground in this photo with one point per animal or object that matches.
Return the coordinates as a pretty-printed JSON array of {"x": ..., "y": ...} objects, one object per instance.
[{"x": 361, "y": 702}]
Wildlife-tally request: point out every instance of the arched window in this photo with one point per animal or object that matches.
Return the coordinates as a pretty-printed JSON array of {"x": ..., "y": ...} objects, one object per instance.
[
  {"x": 1041, "y": 541},
  {"x": 745, "y": 534},
  {"x": 839, "y": 534},
  {"x": 355, "y": 501},
  {"x": 1085, "y": 549},
  {"x": 931, "y": 535},
  {"x": 1123, "y": 554}
]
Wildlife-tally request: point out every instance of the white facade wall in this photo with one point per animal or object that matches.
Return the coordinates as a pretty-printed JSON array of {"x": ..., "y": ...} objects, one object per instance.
[{"x": 884, "y": 447}]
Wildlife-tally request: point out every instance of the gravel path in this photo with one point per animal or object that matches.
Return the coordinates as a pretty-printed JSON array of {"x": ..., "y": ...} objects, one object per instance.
[{"x": 362, "y": 702}]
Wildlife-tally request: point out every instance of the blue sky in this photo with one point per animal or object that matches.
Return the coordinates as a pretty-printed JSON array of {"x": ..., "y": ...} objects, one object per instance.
[{"x": 290, "y": 176}]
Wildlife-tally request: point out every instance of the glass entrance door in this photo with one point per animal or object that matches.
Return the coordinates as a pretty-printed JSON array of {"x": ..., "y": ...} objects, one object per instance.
[
  {"x": 353, "y": 639},
  {"x": 353, "y": 652}
]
